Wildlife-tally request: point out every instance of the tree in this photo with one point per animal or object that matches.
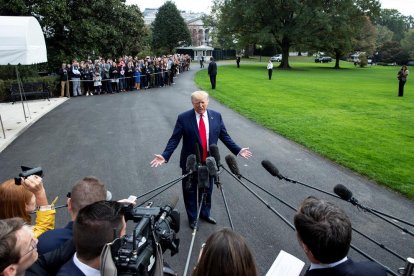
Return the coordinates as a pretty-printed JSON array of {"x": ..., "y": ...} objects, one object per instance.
[
  {"x": 392, "y": 52},
  {"x": 396, "y": 22},
  {"x": 169, "y": 29},
  {"x": 292, "y": 23},
  {"x": 383, "y": 35},
  {"x": 407, "y": 43}
]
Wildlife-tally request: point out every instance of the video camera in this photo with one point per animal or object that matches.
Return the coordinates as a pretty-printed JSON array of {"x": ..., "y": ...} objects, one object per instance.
[
  {"x": 155, "y": 231},
  {"x": 26, "y": 172}
]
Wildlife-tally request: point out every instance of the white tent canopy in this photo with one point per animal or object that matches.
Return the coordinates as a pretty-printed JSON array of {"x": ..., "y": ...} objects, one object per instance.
[{"x": 21, "y": 41}]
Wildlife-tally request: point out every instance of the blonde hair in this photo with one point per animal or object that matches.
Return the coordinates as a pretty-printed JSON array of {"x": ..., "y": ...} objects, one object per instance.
[
  {"x": 199, "y": 95},
  {"x": 13, "y": 201}
]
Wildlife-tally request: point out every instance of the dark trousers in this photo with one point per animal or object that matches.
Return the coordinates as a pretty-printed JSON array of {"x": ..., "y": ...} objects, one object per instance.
[
  {"x": 213, "y": 81},
  {"x": 190, "y": 190},
  {"x": 401, "y": 88},
  {"x": 269, "y": 72}
]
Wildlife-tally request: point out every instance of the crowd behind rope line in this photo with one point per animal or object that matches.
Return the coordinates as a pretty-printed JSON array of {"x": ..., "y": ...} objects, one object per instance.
[
  {"x": 323, "y": 230},
  {"x": 126, "y": 73}
]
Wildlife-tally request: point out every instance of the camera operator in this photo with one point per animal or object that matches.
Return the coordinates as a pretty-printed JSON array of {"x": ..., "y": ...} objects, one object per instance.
[
  {"x": 21, "y": 200},
  {"x": 95, "y": 225},
  {"x": 324, "y": 232},
  {"x": 86, "y": 191},
  {"x": 225, "y": 253}
]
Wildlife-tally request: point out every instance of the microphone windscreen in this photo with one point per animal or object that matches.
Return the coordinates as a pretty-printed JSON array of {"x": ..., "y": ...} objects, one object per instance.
[
  {"x": 173, "y": 201},
  {"x": 108, "y": 195},
  {"x": 203, "y": 179},
  {"x": 197, "y": 153},
  {"x": 271, "y": 168},
  {"x": 214, "y": 151},
  {"x": 211, "y": 166},
  {"x": 191, "y": 163},
  {"x": 342, "y": 192},
  {"x": 232, "y": 163}
]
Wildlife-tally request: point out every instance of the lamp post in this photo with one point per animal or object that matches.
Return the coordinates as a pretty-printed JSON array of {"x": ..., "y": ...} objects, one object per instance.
[{"x": 260, "y": 51}]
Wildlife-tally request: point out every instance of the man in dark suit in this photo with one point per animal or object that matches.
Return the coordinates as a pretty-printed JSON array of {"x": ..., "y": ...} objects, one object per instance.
[
  {"x": 192, "y": 126},
  {"x": 95, "y": 226},
  {"x": 212, "y": 72},
  {"x": 324, "y": 232},
  {"x": 85, "y": 191}
]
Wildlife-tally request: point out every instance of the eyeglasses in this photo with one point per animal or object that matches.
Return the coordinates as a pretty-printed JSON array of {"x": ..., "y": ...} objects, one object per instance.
[{"x": 33, "y": 246}]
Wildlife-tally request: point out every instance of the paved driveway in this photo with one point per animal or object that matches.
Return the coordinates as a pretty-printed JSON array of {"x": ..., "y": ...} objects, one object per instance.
[{"x": 114, "y": 138}]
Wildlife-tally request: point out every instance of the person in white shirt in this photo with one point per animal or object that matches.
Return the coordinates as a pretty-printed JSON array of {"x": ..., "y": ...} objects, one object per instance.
[{"x": 270, "y": 69}]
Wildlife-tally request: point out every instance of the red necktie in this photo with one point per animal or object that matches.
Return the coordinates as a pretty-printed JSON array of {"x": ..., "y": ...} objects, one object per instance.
[{"x": 203, "y": 136}]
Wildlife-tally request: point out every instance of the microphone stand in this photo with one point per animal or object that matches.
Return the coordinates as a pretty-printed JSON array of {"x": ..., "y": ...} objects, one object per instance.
[
  {"x": 362, "y": 234},
  {"x": 392, "y": 217},
  {"x": 261, "y": 199},
  {"x": 371, "y": 211},
  {"x": 194, "y": 232},
  {"x": 309, "y": 186},
  {"x": 220, "y": 187},
  {"x": 159, "y": 192},
  {"x": 166, "y": 184},
  {"x": 367, "y": 209},
  {"x": 408, "y": 269},
  {"x": 351, "y": 245}
]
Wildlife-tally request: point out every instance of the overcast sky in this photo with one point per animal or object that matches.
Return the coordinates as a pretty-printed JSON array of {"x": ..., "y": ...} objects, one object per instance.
[{"x": 405, "y": 7}]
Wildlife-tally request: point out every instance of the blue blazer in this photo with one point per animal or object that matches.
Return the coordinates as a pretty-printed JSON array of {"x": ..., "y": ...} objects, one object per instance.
[
  {"x": 53, "y": 239},
  {"x": 186, "y": 128},
  {"x": 350, "y": 268},
  {"x": 70, "y": 269}
]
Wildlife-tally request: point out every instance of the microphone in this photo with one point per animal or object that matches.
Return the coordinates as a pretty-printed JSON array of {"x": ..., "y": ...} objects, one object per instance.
[
  {"x": 197, "y": 153},
  {"x": 271, "y": 169},
  {"x": 345, "y": 194},
  {"x": 211, "y": 166},
  {"x": 214, "y": 151},
  {"x": 168, "y": 208},
  {"x": 190, "y": 166},
  {"x": 203, "y": 179},
  {"x": 232, "y": 163}
]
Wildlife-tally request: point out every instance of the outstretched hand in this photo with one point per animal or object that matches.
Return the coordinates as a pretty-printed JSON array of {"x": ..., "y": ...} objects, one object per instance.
[
  {"x": 157, "y": 161},
  {"x": 246, "y": 153}
]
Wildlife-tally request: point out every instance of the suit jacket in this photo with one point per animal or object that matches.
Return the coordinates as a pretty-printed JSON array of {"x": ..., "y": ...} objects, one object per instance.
[
  {"x": 69, "y": 269},
  {"x": 52, "y": 239},
  {"x": 186, "y": 127},
  {"x": 212, "y": 68},
  {"x": 350, "y": 268},
  {"x": 51, "y": 262}
]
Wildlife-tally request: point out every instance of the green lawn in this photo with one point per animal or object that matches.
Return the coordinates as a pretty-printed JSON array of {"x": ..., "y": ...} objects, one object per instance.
[{"x": 352, "y": 116}]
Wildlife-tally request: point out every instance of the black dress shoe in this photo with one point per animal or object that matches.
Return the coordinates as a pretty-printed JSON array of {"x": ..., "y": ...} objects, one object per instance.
[
  {"x": 193, "y": 225},
  {"x": 210, "y": 220}
]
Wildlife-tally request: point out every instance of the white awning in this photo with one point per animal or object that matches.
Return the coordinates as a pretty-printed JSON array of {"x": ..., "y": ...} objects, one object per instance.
[{"x": 21, "y": 41}]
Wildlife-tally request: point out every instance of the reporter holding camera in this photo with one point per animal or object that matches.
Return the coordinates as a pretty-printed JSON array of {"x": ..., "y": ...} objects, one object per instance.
[{"x": 22, "y": 200}]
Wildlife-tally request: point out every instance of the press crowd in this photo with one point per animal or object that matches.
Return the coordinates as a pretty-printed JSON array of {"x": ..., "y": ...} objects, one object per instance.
[{"x": 126, "y": 73}]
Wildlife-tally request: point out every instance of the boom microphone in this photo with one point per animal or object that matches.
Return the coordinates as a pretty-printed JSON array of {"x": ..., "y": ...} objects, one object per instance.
[
  {"x": 168, "y": 208},
  {"x": 203, "y": 179},
  {"x": 190, "y": 166},
  {"x": 345, "y": 194},
  {"x": 271, "y": 169},
  {"x": 211, "y": 166},
  {"x": 232, "y": 163},
  {"x": 214, "y": 151}
]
